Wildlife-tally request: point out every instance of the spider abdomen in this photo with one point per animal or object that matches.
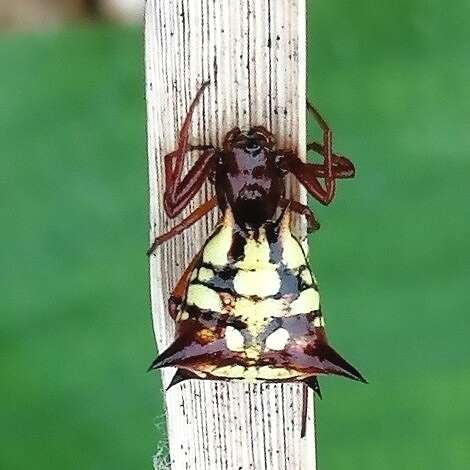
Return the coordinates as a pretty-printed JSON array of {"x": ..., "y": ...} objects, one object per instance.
[{"x": 252, "y": 311}]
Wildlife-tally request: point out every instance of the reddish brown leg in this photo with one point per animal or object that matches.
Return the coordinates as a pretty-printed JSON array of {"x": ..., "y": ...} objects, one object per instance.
[
  {"x": 230, "y": 137},
  {"x": 179, "y": 191},
  {"x": 200, "y": 147},
  {"x": 328, "y": 193},
  {"x": 200, "y": 212},
  {"x": 303, "y": 430},
  {"x": 309, "y": 174},
  {"x": 265, "y": 133},
  {"x": 185, "y": 190},
  {"x": 342, "y": 166},
  {"x": 179, "y": 292},
  {"x": 295, "y": 206}
]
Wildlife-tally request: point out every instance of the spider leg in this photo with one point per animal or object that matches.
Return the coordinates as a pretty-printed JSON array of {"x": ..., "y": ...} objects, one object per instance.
[
  {"x": 295, "y": 206},
  {"x": 313, "y": 384},
  {"x": 179, "y": 191},
  {"x": 330, "y": 183},
  {"x": 342, "y": 166},
  {"x": 197, "y": 214},
  {"x": 303, "y": 430},
  {"x": 310, "y": 174},
  {"x": 192, "y": 148},
  {"x": 178, "y": 293},
  {"x": 307, "y": 175}
]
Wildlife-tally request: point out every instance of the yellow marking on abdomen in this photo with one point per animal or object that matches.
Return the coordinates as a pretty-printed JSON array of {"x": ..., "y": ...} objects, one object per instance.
[
  {"x": 205, "y": 274},
  {"x": 260, "y": 283},
  {"x": 257, "y": 314},
  {"x": 256, "y": 253},
  {"x": 292, "y": 253},
  {"x": 308, "y": 301},
  {"x": 217, "y": 248},
  {"x": 306, "y": 276},
  {"x": 255, "y": 373},
  {"x": 233, "y": 372},
  {"x": 253, "y": 352},
  {"x": 276, "y": 373},
  {"x": 204, "y": 298}
]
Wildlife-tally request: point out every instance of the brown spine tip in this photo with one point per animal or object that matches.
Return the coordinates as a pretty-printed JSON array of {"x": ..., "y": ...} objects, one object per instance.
[
  {"x": 333, "y": 363},
  {"x": 171, "y": 356}
]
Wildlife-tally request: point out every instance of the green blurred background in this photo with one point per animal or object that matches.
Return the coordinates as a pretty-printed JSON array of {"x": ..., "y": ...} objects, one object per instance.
[{"x": 392, "y": 256}]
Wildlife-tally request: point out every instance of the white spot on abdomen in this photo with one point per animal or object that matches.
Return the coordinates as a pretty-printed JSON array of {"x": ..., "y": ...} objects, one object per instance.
[
  {"x": 234, "y": 339},
  {"x": 278, "y": 340},
  {"x": 308, "y": 301}
]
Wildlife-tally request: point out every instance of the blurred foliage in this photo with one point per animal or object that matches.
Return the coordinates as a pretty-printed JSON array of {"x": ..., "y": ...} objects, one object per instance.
[
  {"x": 75, "y": 326},
  {"x": 75, "y": 336},
  {"x": 392, "y": 78}
]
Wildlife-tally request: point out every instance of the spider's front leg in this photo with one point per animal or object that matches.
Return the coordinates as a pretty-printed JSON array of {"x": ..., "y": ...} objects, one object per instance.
[
  {"x": 180, "y": 190},
  {"x": 311, "y": 174},
  {"x": 342, "y": 167},
  {"x": 299, "y": 208},
  {"x": 196, "y": 215},
  {"x": 325, "y": 195}
]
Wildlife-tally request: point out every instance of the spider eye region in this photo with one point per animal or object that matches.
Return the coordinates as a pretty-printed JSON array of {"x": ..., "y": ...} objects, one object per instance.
[{"x": 252, "y": 144}]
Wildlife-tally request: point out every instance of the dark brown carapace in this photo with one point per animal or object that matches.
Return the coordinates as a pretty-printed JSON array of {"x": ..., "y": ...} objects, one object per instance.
[{"x": 248, "y": 306}]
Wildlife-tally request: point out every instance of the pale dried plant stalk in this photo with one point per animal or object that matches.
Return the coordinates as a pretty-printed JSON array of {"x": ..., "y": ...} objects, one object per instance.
[{"x": 253, "y": 52}]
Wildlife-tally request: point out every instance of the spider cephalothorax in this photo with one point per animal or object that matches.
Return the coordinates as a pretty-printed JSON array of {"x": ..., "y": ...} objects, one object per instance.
[
  {"x": 254, "y": 169},
  {"x": 248, "y": 177}
]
